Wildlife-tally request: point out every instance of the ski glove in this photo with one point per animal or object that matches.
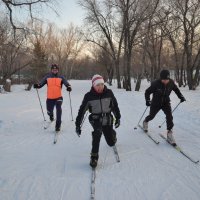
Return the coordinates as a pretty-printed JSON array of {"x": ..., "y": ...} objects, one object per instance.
[
  {"x": 117, "y": 123},
  {"x": 78, "y": 130},
  {"x": 148, "y": 103},
  {"x": 182, "y": 99},
  {"x": 69, "y": 88},
  {"x": 36, "y": 86}
]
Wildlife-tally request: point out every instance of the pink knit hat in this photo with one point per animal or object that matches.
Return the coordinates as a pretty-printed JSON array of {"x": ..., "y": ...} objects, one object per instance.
[{"x": 97, "y": 79}]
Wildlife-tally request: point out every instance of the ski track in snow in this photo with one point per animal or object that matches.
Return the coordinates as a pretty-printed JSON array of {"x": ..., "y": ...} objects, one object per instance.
[{"x": 33, "y": 168}]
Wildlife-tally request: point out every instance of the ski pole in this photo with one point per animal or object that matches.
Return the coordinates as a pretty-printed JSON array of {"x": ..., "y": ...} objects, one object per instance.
[
  {"x": 40, "y": 104},
  {"x": 141, "y": 117},
  {"x": 71, "y": 106},
  {"x": 172, "y": 112}
]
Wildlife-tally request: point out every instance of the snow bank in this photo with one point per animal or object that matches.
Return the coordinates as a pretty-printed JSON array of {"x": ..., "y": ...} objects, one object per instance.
[{"x": 32, "y": 168}]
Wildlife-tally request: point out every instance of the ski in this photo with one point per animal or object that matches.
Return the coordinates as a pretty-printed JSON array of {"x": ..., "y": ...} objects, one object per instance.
[
  {"x": 56, "y": 137},
  {"x": 154, "y": 140},
  {"x": 179, "y": 150},
  {"x": 93, "y": 178},
  {"x": 116, "y": 153},
  {"x": 47, "y": 125}
]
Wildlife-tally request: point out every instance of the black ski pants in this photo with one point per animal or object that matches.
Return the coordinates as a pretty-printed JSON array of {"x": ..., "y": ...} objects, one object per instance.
[
  {"x": 108, "y": 132},
  {"x": 166, "y": 108}
]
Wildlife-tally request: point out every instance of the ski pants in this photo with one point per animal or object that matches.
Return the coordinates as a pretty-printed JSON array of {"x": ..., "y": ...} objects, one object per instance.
[
  {"x": 108, "y": 132},
  {"x": 51, "y": 103},
  {"x": 166, "y": 108}
]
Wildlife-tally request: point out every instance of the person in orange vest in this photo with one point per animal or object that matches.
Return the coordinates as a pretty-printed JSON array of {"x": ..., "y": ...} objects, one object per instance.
[{"x": 54, "y": 93}]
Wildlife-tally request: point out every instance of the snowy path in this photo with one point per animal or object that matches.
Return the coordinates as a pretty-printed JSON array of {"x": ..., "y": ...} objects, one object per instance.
[{"x": 33, "y": 168}]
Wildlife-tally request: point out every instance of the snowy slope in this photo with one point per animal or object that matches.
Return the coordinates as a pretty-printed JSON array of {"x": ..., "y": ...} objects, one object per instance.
[{"x": 33, "y": 168}]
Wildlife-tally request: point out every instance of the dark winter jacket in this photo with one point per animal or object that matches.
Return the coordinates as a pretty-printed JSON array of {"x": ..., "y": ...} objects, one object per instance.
[
  {"x": 161, "y": 92},
  {"x": 98, "y": 105}
]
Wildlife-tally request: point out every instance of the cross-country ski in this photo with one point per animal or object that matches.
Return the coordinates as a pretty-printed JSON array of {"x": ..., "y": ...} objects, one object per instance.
[
  {"x": 179, "y": 150},
  {"x": 94, "y": 169},
  {"x": 47, "y": 124},
  {"x": 93, "y": 178},
  {"x": 149, "y": 135},
  {"x": 55, "y": 137}
]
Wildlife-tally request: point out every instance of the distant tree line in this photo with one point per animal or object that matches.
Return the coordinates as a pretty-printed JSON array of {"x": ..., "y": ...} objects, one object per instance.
[
  {"x": 120, "y": 39},
  {"x": 138, "y": 38}
]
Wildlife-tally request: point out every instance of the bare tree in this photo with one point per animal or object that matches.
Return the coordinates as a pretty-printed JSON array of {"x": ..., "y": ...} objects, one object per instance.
[
  {"x": 14, "y": 53},
  {"x": 62, "y": 46},
  {"x": 72, "y": 44},
  {"x": 106, "y": 60},
  {"x": 171, "y": 28},
  {"x": 104, "y": 24},
  {"x": 153, "y": 43},
  {"x": 11, "y": 6},
  {"x": 134, "y": 13},
  {"x": 188, "y": 13}
]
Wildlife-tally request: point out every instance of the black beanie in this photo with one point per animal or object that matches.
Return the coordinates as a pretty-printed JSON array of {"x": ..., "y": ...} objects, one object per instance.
[
  {"x": 164, "y": 74},
  {"x": 54, "y": 66}
]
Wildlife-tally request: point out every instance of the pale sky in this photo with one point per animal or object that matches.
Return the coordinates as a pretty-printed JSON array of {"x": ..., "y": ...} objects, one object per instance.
[{"x": 69, "y": 11}]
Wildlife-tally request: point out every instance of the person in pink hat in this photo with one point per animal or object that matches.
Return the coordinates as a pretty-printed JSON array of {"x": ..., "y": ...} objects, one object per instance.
[{"x": 102, "y": 105}]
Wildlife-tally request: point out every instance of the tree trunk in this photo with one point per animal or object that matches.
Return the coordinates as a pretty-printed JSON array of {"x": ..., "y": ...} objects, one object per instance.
[
  {"x": 184, "y": 78},
  {"x": 7, "y": 86},
  {"x": 128, "y": 87},
  {"x": 29, "y": 86},
  {"x": 125, "y": 83},
  {"x": 189, "y": 78},
  {"x": 196, "y": 77},
  {"x": 110, "y": 73},
  {"x": 181, "y": 77},
  {"x": 117, "y": 74},
  {"x": 177, "y": 76},
  {"x": 138, "y": 83}
]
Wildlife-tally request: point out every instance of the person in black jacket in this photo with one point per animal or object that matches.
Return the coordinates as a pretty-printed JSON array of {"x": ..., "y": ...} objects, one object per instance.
[
  {"x": 101, "y": 103},
  {"x": 161, "y": 90}
]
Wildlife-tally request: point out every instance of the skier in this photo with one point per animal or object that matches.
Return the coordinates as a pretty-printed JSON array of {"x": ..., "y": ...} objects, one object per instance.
[
  {"x": 161, "y": 90},
  {"x": 101, "y": 103},
  {"x": 54, "y": 93}
]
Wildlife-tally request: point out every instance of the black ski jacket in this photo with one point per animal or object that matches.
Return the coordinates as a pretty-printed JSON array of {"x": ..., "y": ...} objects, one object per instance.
[
  {"x": 161, "y": 92},
  {"x": 98, "y": 104}
]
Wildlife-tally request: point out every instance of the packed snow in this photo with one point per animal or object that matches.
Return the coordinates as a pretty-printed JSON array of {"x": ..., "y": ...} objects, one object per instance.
[{"x": 33, "y": 168}]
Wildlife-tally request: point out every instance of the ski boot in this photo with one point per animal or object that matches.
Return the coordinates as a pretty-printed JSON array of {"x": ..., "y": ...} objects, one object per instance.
[
  {"x": 51, "y": 118},
  {"x": 145, "y": 126},
  {"x": 94, "y": 159},
  {"x": 58, "y": 126},
  {"x": 170, "y": 138}
]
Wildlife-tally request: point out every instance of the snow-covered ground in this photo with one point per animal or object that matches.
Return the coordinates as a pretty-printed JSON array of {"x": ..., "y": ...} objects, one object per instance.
[{"x": 33, "y": 168}]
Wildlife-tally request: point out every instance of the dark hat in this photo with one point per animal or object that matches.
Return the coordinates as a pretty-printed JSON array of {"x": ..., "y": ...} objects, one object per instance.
[
  {"x": 54, "y": 66},
  {"x": 164, "y": 74}
]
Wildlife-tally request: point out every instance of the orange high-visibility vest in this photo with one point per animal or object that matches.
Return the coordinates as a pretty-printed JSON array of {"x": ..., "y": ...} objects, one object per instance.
[{"x": 54, "y": 89}]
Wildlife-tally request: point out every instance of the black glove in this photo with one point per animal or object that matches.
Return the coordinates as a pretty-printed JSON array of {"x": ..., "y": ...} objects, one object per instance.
[
  {"x": 69, "y": 88},
  {"x": 36, "y": 86},
  {"x": 182, "y": 99},
  {"x": 117, "y": 123},
  {"x": 78, "y": 130},
  {"x": 148, "y": 103}
]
